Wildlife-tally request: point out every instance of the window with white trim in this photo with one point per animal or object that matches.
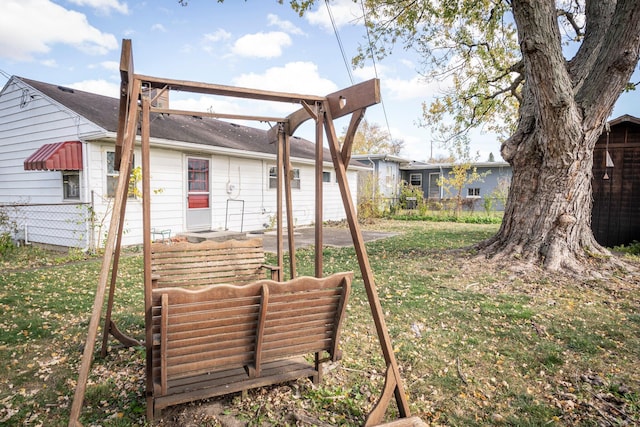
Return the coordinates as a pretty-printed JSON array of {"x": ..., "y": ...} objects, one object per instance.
[
  {"x": 326, "y": 176},
  {"x": 71, "y": 185},
  {"x": 273, "y": 178},
  {"x": 113, "y": 174},
  {"x": 415, "y": 179},
  {"x": 473, "y": 192}
]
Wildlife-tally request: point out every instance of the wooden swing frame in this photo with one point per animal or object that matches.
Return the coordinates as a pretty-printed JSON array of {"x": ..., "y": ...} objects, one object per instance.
[{"x": 135, "y": 105}]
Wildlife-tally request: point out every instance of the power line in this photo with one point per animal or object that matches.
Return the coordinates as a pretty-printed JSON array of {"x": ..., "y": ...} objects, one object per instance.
[
  {"x": 335, "y": 30},
  {"x": 375, "y": 68},
  {"x": 5, "y": 74},
  {"x": 346, "y": 62}
]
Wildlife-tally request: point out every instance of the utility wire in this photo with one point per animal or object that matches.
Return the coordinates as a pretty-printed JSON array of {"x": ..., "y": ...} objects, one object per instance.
[
  {"x": 375, "y": 68},
  {"x": 346, "y": 62},
  {"x": 5, "y": 74},
  {"x": 335, "y": 30}
]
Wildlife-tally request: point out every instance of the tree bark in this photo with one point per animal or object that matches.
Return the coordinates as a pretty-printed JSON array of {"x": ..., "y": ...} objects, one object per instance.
[{"x": 565, "y": 105}]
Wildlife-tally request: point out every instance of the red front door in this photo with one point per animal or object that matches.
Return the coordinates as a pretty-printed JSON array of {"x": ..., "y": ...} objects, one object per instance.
[{"x": 198, "y": 197}]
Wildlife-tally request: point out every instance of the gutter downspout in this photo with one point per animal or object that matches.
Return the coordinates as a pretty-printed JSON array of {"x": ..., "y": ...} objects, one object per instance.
[
  {"x": 87, "y": 196},
  {"x": 441, "y": 189}
]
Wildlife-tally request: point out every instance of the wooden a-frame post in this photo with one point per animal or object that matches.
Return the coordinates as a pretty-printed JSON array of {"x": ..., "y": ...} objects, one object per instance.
[
  {"x": 133, "y": 91},
  {"x": 353, "y": 100}
]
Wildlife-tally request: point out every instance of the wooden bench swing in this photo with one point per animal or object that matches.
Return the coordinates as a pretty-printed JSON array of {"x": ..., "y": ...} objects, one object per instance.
[{"x": 215, "y": 323}]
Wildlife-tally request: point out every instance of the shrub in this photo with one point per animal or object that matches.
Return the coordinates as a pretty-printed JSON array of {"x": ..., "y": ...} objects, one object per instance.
[
  {"x": 412, "y": 193},
  {"x": 632, "y": 248},
  {"x": 7, "y": 227}
]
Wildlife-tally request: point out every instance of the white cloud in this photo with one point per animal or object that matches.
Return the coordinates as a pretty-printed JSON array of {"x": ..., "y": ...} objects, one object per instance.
[
  {"x": 207, "y": 104},
  {"x": 397, "y": 88},
  {"x": 100, "y": 87},
  {"x": 262, "y": 45},
  {"x": 104, "y": 6},
  {"x": 407, "y": 63},
  {"x": 369, "y": 72},
  {"x": 286, "y": 26},
  {"x": 414, "y": 148},
  {"x": 217, "y": 36},
  {"x": 30, "y": 27},
  {"x": 294, "y": 77},
  {"x": 110, "y": 65},
  {"x": 49, "y": 63},
  {"x": 107, "y": 65},
  {"x": 210, "y": 41},
  {"x": 344, "y": 12},
  {"x": 414, "y": 88},
  {"x": 158, "y": 27}
]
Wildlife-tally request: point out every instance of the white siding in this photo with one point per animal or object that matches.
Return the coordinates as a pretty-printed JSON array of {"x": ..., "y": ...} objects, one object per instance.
[
  {"x": 388, "y": 178},
  {"x": 28, "y": 120},
  {"x": 239, "y": 183},
  {"x": 248, "y": 181}
]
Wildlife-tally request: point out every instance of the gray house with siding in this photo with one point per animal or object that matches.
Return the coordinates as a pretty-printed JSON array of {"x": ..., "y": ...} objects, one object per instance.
[
  {"x": 427, "y": 176},
  {"x": 384, "y": 172}
]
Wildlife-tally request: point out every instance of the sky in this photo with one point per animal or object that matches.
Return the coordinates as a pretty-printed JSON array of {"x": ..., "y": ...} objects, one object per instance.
[{"x": 255, "y": 43}]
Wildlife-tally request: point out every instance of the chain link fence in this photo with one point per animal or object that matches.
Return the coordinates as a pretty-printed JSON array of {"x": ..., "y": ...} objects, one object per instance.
[{"x": 67, "y": 225}]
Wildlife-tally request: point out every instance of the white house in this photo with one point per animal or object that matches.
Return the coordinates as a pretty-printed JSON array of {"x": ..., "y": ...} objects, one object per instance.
[{"x": 57, "y": 178}]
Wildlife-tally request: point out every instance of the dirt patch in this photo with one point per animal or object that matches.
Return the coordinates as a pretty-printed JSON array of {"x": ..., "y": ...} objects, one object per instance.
[{"x": 332, "y": 236}]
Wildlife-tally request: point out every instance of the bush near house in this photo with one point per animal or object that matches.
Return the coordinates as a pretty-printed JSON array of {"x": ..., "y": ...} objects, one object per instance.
[{"x": 7, "y": 230}]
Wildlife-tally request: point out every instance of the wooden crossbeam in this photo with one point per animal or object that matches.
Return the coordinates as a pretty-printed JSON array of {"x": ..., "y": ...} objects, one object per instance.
[
  {"x": 217, "y": 115},
  {"x": 223, "y": 90}
]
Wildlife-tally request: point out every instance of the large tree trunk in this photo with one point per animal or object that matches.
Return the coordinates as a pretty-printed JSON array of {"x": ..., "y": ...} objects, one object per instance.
[
  {"x": 565, "y": 105},
  {"x": 547, "y": 218}
]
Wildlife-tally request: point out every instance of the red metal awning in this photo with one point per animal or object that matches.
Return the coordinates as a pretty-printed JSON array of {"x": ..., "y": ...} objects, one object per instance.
[{"x": 56, "y": 157}]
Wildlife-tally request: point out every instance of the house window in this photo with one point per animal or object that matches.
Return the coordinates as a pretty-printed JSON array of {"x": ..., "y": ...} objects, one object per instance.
[
  {"x": 198, "y": 175},
  {"x": 415, "y": 179},
  {"x": 295, "y": 179},
  {"x": 473, "y": 192},
  {"x": 434, "y": 187},
  {"x": 326, "y": 176},
  {"x": 112, "y": 177},
  {"x": 198, "y": 183},
  {"x": 71, "y": 185}
]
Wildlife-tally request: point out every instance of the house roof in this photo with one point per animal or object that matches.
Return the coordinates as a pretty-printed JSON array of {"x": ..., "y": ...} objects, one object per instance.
[
  {"x": 380, "y": 156},
  {"x": 624, "y": 118},
  {"x": 103, "y": 111},
  {"x": 432, "y": 166}
]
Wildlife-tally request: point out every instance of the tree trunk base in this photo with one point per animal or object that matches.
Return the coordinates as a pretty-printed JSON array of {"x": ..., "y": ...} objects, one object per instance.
[{"x": 554, "y": 257}]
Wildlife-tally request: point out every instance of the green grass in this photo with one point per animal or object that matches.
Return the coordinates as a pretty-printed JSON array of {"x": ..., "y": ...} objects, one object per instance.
[{"x": 477, "y": 345}]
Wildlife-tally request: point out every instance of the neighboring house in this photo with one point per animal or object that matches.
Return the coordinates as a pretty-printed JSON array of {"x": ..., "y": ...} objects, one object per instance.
[
  {"x": 384, "y": 177},
  {"x": 427, "y": 176},
  {"x": 57, "y": 174},
  {"x": 615, "y": 217}
]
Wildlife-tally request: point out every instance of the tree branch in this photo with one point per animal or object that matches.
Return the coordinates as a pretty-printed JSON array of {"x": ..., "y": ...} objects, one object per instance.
[
  {"x": 572, "y": 21},
  {"x": 544, "y": 63},
  {"x": 615, "y": 63},
  {"x": 598, "y": 15}
]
